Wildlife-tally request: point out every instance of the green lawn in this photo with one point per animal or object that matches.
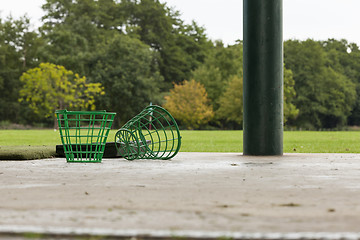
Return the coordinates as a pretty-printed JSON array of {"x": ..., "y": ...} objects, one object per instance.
[
  {"x": 294, "y": 141},
  {"x": 211, "y": 141}
]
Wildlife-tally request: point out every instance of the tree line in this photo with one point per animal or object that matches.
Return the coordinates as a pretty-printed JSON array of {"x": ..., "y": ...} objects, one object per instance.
[{"x": 123, "y": 55}]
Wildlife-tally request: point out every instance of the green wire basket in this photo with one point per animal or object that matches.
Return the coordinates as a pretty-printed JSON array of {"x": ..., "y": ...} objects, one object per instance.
[
  {"x": 84, "y": 134},
  {"x": 152, "y": 134}
]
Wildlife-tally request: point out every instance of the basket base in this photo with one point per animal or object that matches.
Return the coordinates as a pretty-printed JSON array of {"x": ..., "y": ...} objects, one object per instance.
[{"x": 109, "y": 152}]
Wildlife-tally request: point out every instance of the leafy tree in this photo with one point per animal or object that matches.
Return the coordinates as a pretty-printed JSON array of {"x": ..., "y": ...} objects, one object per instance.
[
  {"x": 338, "y": 98},
  {"x": 354, "y": 118},
  {"x": 325, "y": 97},
  {"x": 50, "y": 87},
  {"x": 344, "y": 58},
  {"x": 66, "y": 48},
  {"x": 70, "y": 33},
  {"x": 95, "y": 38},
  {"x": 212, "y": 80},
  {"x": 221, "y": 64},
  {"x": 231, "y": 102},
  {"x": 138, "y": 48},
  {"x": 188, "y": 103},
  {"x": 131, "y": 79},
  {"x": 18, "y": 52},
  {"x": 181, "y": 47},
  {"x": 290, "y": 110},
  {"x": 76, "y": 30},
  {"x": 338, "y": 56}
]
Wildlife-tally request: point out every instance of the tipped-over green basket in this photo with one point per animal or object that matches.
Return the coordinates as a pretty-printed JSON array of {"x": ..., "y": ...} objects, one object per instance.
[
  {"x": 84, "y": 133},
  {"x": 152, "y": 134}
]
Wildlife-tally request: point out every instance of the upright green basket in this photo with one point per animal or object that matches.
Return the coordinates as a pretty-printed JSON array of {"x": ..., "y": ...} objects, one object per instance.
[
  {"x": 84, "y": 133},
  {"x": 152, "y": 134}
]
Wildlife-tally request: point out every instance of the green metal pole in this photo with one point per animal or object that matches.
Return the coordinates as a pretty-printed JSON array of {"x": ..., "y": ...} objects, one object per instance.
[{"x": 263, "y": 77}]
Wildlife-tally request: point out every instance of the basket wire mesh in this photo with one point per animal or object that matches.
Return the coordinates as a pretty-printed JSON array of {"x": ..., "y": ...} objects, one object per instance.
[
  {"x": 152, "y": 134},
  {"x": 84, "y": 134}
]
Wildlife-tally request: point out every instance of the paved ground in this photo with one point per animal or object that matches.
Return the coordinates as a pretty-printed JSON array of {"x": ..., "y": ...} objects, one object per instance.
[{"x": 198, "y": 195}]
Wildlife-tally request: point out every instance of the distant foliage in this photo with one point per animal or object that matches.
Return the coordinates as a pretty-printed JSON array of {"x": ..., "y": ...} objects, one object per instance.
[
  {"x": 125, "y": 69},
  {"x": 18, "y": 52},
  {"x": 325, "y": 86},
  {"x": 137, "y": 50},
  {"x": 290, "y": 110},
  {"x": 50, "y": 87},
  {"x": 220, "y": 65},
  {"x": 189, "y": 104},
  {"x": 231, "y": 102}
]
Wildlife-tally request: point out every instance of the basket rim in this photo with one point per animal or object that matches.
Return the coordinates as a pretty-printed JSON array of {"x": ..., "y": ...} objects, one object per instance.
[{"x": 64, "y": 111}]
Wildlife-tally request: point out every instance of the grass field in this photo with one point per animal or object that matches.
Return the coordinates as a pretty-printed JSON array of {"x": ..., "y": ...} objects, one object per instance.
[{"x": 208, "y": 141}]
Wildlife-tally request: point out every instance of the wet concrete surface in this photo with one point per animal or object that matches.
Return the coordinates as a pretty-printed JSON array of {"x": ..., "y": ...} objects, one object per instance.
[{"x": 196, "y": 195}]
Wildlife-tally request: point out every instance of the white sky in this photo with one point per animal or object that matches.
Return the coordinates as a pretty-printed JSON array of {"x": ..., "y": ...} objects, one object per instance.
[{"x": 222, "y": 19}]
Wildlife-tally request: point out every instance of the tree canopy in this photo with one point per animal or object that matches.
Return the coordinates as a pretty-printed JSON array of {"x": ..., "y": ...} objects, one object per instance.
[
  {"x": 131, "y": 79},
  {"x": 50, "y": 87},
  {"x": 141, "y": 50},
  {"x": 189, "y": 104},
  {"x": 324, "y": 95},
  {"x": 18, "y": 52}
]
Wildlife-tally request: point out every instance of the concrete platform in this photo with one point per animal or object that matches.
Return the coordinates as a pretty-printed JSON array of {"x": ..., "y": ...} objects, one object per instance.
[{"x": 194, "y": 195}]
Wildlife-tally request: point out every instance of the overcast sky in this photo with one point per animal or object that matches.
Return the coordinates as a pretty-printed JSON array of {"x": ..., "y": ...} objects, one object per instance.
[{"x": 222, "y": 19}]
